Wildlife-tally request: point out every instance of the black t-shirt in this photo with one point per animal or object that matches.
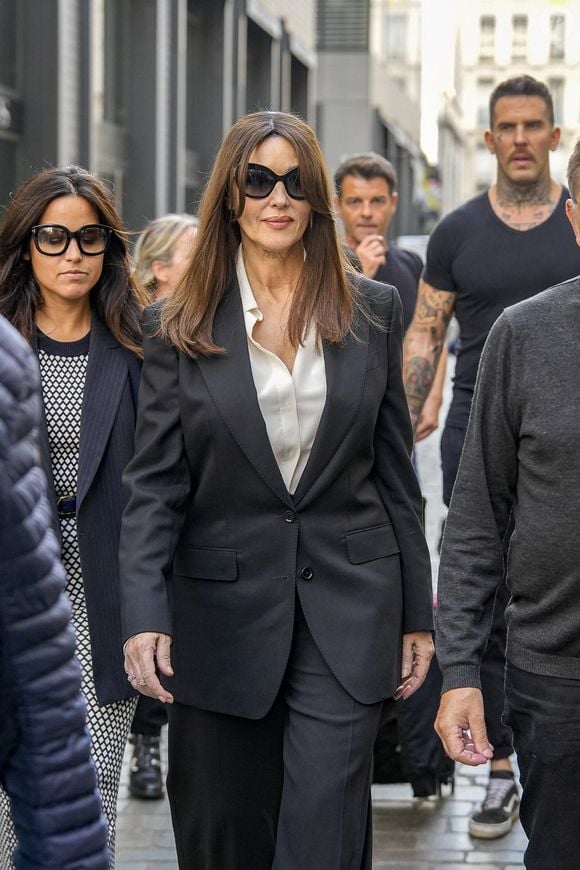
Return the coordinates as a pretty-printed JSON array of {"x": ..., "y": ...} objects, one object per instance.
[
  {"x": 402, "y": 270},
  {"x": 490, "y": 266}
]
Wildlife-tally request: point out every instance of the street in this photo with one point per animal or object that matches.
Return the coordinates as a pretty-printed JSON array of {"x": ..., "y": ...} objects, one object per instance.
[{"x": 409, "y": 834}]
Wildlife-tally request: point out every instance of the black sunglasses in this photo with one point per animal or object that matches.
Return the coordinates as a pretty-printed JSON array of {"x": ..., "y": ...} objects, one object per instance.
[
  {"x": 261, "y": 181},
  {"x": 53, "y": 239}
]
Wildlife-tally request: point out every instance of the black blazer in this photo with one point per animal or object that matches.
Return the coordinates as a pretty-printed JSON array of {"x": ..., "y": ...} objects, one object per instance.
[
  {"x": 214, "y": 549},
  {"x": 106, "y": 446}
]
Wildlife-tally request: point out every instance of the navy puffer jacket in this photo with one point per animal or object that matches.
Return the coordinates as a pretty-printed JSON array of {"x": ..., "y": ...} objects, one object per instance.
[{"x": 45, "y": 765}]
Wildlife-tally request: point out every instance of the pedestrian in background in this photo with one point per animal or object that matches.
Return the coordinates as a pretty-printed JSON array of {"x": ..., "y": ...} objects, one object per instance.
[
  {"x": 501, "y": 247},
  {"x": 65, "y": 284},
  {"x": 273, "y": 564},
  {"x": 366, "y": 202},
  {"x": 45, "y": 764},
  {"x": 161, "y": 253},
  {"x": 520, "y": 477}
]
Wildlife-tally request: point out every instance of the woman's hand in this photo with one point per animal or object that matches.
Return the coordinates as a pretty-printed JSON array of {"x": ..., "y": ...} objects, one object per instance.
[
  {"x": 144, "y": 653},
  {"x": 417, "y": 654}
]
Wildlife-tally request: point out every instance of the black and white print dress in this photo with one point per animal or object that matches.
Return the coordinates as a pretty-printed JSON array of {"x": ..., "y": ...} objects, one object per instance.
[{"x": 63, "y": 367}]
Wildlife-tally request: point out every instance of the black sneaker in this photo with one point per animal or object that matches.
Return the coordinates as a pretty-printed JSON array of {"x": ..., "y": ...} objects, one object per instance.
[
  {"x": 499, "y": 810},
  {"x": 145, "y": 768}
]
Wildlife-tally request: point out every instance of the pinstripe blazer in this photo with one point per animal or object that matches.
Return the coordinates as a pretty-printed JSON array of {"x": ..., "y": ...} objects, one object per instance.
[
  {"x": 106, "y": 446},
  {"x": 214, "y": 548}
]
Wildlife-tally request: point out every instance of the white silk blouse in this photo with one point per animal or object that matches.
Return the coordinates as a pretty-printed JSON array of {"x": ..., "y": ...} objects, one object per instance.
[{"x": 291, "y": 402}]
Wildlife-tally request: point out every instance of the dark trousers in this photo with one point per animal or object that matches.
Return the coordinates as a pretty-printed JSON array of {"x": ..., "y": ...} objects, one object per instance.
[
  {"x": 150, "y": 717},
  {"x": 544, "y": 715},
  {"x": 290, "y": 791},
  {"x": 493, "y": 661}
]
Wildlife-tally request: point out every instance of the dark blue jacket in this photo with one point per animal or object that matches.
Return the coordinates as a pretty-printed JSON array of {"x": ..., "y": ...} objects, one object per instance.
[
  {"x": 45, "y": 764},
  {"x": 106, "y": 446}
]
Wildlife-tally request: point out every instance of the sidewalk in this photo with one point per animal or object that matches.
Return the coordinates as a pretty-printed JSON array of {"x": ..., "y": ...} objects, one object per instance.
[{"x": 409, "y": 834}]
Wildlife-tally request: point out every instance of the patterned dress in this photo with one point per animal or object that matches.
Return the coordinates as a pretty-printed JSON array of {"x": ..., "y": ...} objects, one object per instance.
[{"x": 63, "y": 367}]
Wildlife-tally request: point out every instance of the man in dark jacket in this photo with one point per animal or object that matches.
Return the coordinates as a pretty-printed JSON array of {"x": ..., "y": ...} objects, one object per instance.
[{"x": 45, "y": 765}]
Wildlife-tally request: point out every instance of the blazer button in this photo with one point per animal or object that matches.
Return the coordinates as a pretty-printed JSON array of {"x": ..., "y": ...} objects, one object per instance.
[
  {"x": 290, "y": 517},
  {"x": 307, "y": 573}
]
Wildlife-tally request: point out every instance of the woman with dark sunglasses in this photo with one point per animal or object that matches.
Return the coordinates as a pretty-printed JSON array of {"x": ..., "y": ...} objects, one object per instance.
[
  {"x": 276, "y": 581},
  {"x": 65, "y": 284}
]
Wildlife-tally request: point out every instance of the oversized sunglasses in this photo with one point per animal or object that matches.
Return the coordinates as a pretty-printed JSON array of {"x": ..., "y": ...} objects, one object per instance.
[
  {"x": 261, "y": 181},
  {"x": 53, "y": 239}
]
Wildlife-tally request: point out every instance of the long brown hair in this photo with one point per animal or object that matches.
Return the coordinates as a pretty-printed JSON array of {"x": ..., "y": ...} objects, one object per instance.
[
  {"x": 325, "y": 296},
  {"x": 116, "y": 297}
]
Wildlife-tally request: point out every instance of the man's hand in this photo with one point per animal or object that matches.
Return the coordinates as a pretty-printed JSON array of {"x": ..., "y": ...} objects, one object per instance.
[
  {"x": 460, "y": 724},
  {"x": 372, "y": 253},
  {"x": 143, "y": 653},
  {"x": 417, "y": 655}
]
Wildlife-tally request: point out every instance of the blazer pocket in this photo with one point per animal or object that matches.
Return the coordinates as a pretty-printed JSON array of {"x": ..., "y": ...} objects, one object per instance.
[
  {"x": 368, "y": 544},
  {"x": 206, "y": 563}
]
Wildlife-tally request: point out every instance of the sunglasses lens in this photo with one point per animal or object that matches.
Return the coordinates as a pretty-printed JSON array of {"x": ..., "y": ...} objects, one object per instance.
[
  {"x": 293, "y": 184},
  {"x": 259, "y": 183},
  {"x": 51, "y": 240},
  {"x": 93, "y": 239}
]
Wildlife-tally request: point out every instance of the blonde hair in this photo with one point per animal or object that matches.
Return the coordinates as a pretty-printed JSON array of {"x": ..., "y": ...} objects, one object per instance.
[{"x": 156, "y": 242}]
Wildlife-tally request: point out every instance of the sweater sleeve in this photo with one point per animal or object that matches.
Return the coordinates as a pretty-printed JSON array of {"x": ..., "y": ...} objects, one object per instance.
[{"x": 473, "y": 556}]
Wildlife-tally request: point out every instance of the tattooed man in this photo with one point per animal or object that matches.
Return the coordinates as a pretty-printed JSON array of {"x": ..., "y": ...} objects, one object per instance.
[{"x": 501, "y": 247}]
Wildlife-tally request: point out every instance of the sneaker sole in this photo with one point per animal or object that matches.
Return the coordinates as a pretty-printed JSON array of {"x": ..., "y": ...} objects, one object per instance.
[{"x": 492, "y": 832}]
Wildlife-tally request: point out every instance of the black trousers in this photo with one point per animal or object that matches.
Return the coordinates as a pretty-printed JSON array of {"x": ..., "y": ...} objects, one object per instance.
[
  {"x": 150, "y": 717},
  {"x": 493, "y": 661},
  {"x": 544, "y": 715},
  {"x": 290, "y": 791}
]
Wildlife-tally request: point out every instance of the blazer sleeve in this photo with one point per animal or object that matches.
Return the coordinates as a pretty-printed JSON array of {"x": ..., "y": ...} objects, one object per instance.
[
  {"x": 394, "y": 473},
  {"x": 157, "y": 486}
]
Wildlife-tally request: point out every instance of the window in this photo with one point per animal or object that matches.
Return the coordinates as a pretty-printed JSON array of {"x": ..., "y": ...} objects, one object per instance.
[
  {"x": 484, "y": 89},
  {"x": 557, "y": 36},
  {"x": 397, "y": 37},
  {"x": 556, "y": 88},
  {"x": 486, "y": 37},
  {"x": 519, "y": 37}
]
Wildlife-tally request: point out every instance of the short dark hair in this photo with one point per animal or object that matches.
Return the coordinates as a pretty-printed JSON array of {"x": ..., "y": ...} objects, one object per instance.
[
  {"x": 368, "y": 165},
  {"x": 573, "y": 173},
  {"x": 521, "y": 86}
]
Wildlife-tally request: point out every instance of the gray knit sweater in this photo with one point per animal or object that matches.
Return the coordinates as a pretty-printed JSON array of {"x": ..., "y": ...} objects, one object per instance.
[{"x": 521, "y": 459}]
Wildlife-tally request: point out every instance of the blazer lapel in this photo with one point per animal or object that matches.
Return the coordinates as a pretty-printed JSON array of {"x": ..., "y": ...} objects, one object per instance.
[
  {"x": 345, "y": 366},
  {"x": 106, "y": 376},
  {"x": 230, "y": 382}
]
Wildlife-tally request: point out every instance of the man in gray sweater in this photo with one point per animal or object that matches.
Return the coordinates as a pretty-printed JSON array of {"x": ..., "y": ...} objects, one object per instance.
[{"x": 520, "y": 476}]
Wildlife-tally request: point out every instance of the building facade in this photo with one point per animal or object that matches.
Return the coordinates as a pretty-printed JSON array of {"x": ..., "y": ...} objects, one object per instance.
[
  {"x": 141, "y": 91},
  {"x": 369, "y": 92},
  {"x": 504, "y": 38}
]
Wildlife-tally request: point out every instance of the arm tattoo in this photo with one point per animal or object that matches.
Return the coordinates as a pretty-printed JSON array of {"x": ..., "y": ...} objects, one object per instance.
[{"x": 423, "y": 344}]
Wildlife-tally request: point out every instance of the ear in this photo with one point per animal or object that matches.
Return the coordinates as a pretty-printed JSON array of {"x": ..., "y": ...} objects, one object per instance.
[
  {"x": 338, "y": 205},
  {"x": 394, "y": 201},
  {"x": 573, "y": 218},
  {"x": 555, "y": 138},
  {"x": 488, "y": 138},
  {"x": 159, "y": 269}
]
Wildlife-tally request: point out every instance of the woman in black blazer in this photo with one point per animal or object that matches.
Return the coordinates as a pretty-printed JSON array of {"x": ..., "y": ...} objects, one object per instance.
[
  {"x": 65, "y": 284},
  {"x": 276, "y": 581}
]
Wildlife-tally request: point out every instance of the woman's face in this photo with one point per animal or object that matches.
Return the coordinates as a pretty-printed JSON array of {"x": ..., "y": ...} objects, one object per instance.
[
  {"x": 67, "y": 279},
  {"x": 276, "y": 223}
]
